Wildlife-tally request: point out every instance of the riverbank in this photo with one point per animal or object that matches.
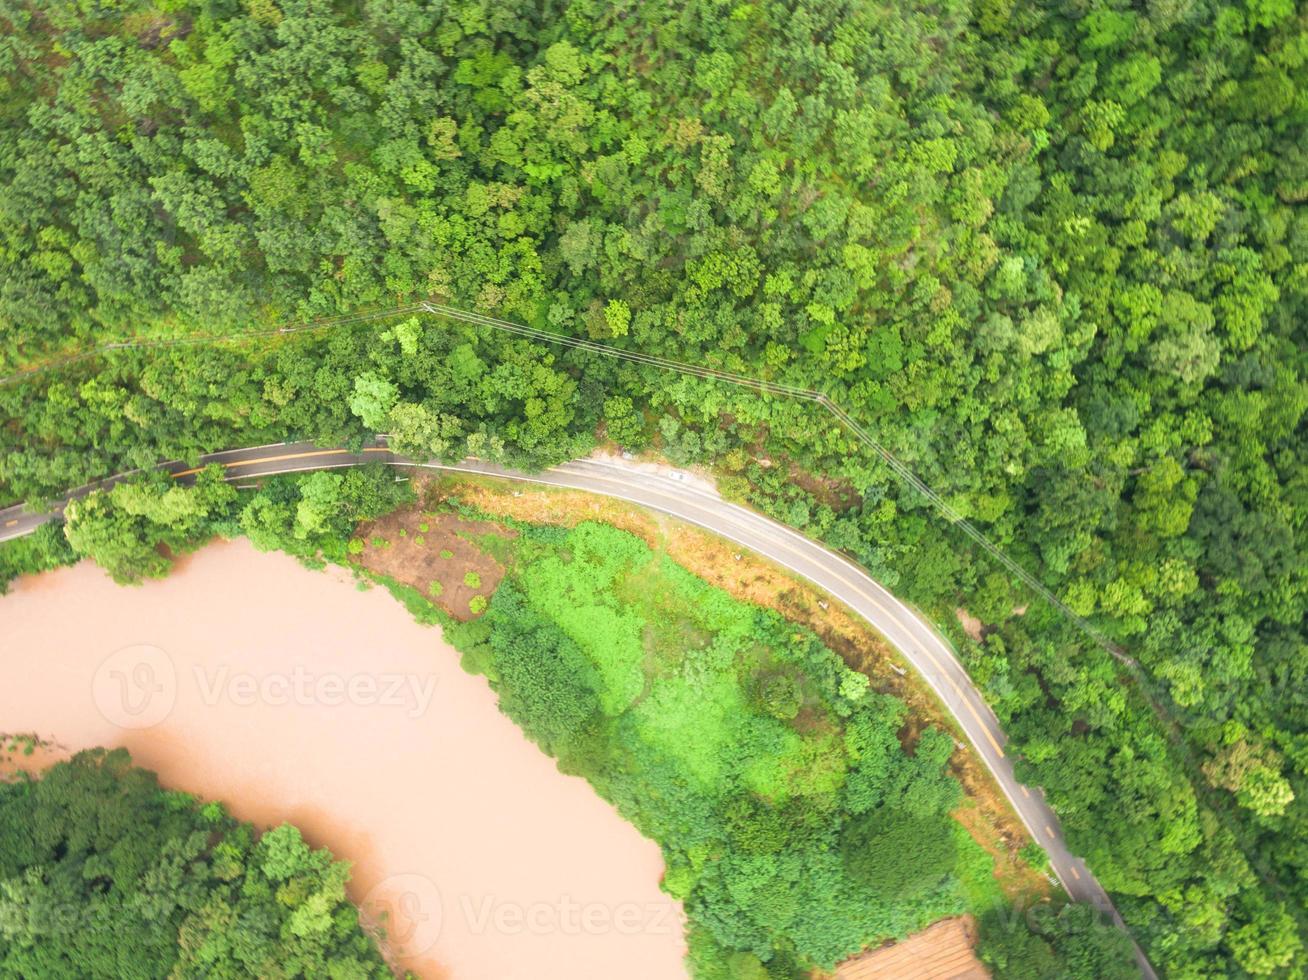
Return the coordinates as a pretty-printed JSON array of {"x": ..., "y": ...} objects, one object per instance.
[{"x": 295, "y": 697}]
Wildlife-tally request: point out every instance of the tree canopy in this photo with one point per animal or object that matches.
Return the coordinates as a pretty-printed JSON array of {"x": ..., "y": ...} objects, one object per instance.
[
  {"x": 1054, "y": 256},
  {"x": 104, "y": 874}
]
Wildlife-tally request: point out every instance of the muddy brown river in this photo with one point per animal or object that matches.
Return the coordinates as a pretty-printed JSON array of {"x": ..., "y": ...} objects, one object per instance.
[{"x": 293, "y": 696}]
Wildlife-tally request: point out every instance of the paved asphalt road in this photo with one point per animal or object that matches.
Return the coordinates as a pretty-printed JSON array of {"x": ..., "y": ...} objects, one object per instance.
[{"x": 686, "y": 497}]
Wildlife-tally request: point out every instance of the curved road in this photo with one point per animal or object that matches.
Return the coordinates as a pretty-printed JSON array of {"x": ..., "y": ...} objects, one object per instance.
[{"x": 689, "y": 499}]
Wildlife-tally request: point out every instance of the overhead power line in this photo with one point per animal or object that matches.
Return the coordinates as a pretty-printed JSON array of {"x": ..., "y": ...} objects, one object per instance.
[
  {"x": 193, "y": 340},
  {"x": 860, "y": 434}
]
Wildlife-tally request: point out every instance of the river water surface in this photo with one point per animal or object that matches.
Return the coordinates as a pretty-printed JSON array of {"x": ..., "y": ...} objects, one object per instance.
[{"x": 292, "y": 696}]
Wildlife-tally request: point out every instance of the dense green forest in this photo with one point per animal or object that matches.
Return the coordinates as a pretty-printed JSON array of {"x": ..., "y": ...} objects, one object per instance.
[
  {"x": 1055, "y": 257},
  {"x": 104, "y": 875}
]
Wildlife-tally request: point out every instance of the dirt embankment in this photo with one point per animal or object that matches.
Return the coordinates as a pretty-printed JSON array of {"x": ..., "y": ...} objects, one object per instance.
[
  {"x": 446, "y": 558},
  {"x": 944, "y": 951}
]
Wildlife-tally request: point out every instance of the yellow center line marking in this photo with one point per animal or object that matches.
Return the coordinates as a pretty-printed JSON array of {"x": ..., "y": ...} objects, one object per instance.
[
  {"x": 1075, "y": 874},
  {"x": 277, "y": 459},
  {"x": 11, "y": 523},
  {"x": 1027, "y": 792},
  {"x": 971, "y": 710},
  {"x": 1049, "y": 831}
]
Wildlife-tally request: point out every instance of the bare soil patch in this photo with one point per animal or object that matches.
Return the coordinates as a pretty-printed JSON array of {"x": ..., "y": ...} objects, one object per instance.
[
  {"x": 1016, "y": 878},
  {"x": 564, "y": 508},
  {"x": 437, "y": 554},
  {"x": 944, "y": 951},
  {"x": 972, "y": 626},
  {"x": 837, "y": 493}
]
